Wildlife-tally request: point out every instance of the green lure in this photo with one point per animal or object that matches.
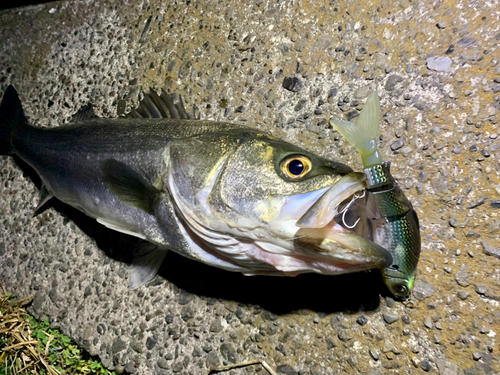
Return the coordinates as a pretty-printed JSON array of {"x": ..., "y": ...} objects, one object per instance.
[{"x": 399, "y": 232}]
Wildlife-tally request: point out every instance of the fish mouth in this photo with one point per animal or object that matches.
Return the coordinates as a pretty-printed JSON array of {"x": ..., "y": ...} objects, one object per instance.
[{"x": 332, "y": 231}]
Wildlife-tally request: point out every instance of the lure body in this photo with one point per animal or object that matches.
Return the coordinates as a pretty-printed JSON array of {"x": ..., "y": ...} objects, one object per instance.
[
  {"x": 398, "y": 230},
  {"x": 396, "y": 226}
]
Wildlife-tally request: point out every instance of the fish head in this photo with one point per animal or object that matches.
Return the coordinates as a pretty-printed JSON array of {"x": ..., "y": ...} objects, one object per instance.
[{"x": 249, "y": 196}]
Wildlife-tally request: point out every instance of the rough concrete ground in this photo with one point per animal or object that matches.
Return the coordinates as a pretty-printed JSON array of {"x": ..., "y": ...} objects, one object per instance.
[{"x": 435, "y": 65}]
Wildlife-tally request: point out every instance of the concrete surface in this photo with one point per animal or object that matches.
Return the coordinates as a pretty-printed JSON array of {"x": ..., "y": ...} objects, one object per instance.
[{"x": 435, "y": 65}]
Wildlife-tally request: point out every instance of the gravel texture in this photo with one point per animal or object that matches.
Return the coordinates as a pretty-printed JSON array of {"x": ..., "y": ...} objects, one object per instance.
[{"x": 286, "y": 67}]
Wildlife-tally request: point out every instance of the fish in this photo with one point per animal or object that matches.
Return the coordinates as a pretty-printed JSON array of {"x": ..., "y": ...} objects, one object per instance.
[
  {"x": 394, "y": 221},
  {"x": 224, "y": 194}
]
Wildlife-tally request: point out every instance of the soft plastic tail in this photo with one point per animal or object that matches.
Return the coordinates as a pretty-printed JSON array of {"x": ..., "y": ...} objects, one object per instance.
[
  {"x": 11, "y": 115},
  {"x": 363, "y": 135}
]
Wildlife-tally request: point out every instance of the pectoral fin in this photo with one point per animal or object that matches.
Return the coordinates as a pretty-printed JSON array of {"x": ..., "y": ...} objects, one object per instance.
[
  {"x": 147, "y": 261},
  {"x": 118, "y": 228},
  {"x": 129, "y": 186}
]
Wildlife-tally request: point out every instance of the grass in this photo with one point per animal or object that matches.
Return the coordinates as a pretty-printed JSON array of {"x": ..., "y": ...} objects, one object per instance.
[{"x": 28, "y": 346}]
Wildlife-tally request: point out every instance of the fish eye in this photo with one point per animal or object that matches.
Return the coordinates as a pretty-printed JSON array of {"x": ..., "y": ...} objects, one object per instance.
[{"x": 295, "y": 167}]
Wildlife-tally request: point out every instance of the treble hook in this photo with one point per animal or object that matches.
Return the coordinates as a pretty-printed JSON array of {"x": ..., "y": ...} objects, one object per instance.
[{"x": 346, "y": 208}]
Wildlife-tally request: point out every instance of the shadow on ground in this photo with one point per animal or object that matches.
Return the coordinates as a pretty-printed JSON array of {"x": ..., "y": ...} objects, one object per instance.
[{"x": 280, "y": 295}]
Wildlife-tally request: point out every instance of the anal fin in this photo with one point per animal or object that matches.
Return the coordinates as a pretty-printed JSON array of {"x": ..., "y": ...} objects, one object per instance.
[
  {"x": 45, "y": 196},
  {"x": 147, "y": 261}
]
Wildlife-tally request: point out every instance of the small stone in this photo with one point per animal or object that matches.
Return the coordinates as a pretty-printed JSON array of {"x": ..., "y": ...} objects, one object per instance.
[
  {"x": 118, "y": 345},
  {"x": 463, "y": 295},
  {"x": 494, "y": 251},
  {"x": 462, "y": 276},
  {"x": 448, "y": 269},
  {"x": 362, "y": 320},
  {"x": 453, "y": 221},
  {"x": 477, "y": 356},
  {"x": 392, "y": 81},
  {"x": 485, "y": 330},
  {"x": 212, "y": 360},
  {"x": 330, "y": 344},
  {"x": 405, "y": 319},
  {"x": 437, "y": 338},
  {"x": 495, "y": 204},
  {"x": 228, "y": 352},
  {"x": 439, "y": 64},
  {"x": 374, "y": 355},
  {"x": 390, "y": 347},
  {"x": 465, "y": 42},
  {"x": 425, "y": 365},
  {"x": 422, "y": 290},
  {"x": 388, "y": 70},
  {"x": 287, "y": 370},
  {"x": 293, "y": 84},
  {"x": 480, "y": 289},
  {"x": 428, "y": 322},
  {"x": 216, "y": 325},
  {"x": 344, "y": 335},
  {"x": 300, "y": 105},
  {"x": 136, "y": 346},
  {"x": 390, "y": 302},
  {"x": 441, "y": 24},
  {"x": 163, "y": 363},
  {"x": 185, "y": 297},
  {"x": 405, "y": 151},
  {"x": 457, "y": 150},
  {"x": 397, "y": 145},
  {"x": 450, "y": 49},
  {"x": 446, "y": 367},
  {"x": 351, "y": 115},
  {"x": 390, "y": 318},
  {"x": 150, "y": 343},
  {"x": 362, "y": 92}
]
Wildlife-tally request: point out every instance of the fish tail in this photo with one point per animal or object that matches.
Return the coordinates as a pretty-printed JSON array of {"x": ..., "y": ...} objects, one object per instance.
[
  {"x": 363, "y": 135},
  {"x": 11, "y": 116}
]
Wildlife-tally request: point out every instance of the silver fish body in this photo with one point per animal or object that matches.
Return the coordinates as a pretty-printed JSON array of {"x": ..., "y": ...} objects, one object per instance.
[{"x": 219, "y": 193}]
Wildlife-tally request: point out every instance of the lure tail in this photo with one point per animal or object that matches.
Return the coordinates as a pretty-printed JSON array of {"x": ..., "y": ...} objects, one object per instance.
[
  {"x": 11, "y": 116},
  {"x": 364, "y": 133}
]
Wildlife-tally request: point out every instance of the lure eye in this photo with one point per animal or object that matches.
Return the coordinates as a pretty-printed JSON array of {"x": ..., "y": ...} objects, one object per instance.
[
  {"x": 296, "y": 167},
  {"x": 402, "y": 289}
]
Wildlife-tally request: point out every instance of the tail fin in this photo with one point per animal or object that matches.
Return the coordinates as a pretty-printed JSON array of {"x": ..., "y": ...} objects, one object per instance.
[
  {"x": 363, "y": 135},
  {"x": 11, "y": 115}
]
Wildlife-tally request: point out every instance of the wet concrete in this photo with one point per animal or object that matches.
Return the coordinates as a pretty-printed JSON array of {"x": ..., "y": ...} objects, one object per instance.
[{"x": 436, "y": 68}]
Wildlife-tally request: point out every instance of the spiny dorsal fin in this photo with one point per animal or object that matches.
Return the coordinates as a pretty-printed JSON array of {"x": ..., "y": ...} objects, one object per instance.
[
  {"x": 129, "y": 186},
  {"x": 84, "y": 114},
  {"x": 160, "y": 106}
]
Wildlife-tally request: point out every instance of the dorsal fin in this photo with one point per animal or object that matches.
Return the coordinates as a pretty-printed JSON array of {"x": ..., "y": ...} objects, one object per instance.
[
  {"x": 84, "y": 114},
  {"x": 160, "y": 106}
]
